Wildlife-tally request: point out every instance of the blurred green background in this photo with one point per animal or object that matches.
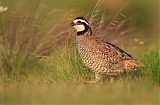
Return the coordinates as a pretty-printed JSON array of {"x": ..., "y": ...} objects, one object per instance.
[
  {"x": 146, "y": 11},
  {"x": 145, "y": 14}
]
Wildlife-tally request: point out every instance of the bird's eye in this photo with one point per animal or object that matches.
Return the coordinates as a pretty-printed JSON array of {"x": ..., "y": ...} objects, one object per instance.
[{"x": 78, "y": 21}]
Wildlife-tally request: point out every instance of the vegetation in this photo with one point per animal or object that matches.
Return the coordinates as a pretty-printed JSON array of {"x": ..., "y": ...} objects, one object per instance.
[
  {"x": 39, "y": 63},
  {"x": 152, "y": 68}
]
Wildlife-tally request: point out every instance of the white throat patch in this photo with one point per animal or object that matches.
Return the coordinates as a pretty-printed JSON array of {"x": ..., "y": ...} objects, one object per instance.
[{"x": 79, "y": 28}]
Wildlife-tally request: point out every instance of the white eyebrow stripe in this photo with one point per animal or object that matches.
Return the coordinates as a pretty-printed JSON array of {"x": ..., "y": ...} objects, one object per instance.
[{"x": 76, "y": 20}]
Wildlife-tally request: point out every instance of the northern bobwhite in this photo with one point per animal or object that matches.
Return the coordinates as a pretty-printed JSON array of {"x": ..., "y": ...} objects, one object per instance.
[{"x": 101, "y": 57}]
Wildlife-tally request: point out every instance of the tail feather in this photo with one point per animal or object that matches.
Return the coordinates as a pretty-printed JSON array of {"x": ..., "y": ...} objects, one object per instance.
[{"x": 132, "y": 64}]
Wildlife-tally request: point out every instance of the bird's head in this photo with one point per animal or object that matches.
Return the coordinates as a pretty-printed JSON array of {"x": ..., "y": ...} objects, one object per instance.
[{"x": 81, "y": 25}]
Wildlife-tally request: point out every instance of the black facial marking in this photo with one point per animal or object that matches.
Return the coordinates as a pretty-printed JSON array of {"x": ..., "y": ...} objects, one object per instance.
[{"x": 87, "y": 27}]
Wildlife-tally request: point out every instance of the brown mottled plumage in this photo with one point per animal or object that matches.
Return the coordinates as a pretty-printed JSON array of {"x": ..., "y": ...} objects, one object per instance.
[{"x": 101, "y": 57}]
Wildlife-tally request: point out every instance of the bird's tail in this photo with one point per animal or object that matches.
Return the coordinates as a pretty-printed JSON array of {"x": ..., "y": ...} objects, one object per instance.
[{"x": 133, "y": 64}]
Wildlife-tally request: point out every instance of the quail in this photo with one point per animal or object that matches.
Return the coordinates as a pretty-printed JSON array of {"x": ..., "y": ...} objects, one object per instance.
[{"x": 103, "y": 58}]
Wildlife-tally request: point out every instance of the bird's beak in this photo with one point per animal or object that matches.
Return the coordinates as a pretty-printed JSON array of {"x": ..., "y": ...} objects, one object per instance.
[{"x": 72, "y": 24}]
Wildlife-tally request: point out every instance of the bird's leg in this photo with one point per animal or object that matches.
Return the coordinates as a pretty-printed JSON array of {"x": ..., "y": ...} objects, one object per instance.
[
  {"x": 97, "y": 78},
  {"x": 112, "y": 78}
]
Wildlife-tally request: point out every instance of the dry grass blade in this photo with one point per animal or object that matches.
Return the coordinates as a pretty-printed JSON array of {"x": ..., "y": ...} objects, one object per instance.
[
  {"x": 117, "y": 14},
  {"x": 24, "y": 40},
  {"x": 114, "y": 31}
]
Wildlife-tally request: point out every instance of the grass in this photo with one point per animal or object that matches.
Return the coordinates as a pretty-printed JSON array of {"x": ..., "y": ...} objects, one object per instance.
[
  {"x": 66, "y": 67},
  {"x": 40, "y": 65},
  {"x": 62, "y": 82},
  {"x": 152, "y": 68},
  {"x": 115, "y": 94}
]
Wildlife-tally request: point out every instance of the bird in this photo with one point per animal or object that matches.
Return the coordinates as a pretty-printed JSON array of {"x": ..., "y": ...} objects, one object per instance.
[{"x": 103, "y": 58}]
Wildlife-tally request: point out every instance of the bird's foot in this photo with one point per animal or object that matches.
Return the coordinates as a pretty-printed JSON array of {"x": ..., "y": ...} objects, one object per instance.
[
  {"x": 97, "y": 78},
  {"x": 111, "y": 80}
]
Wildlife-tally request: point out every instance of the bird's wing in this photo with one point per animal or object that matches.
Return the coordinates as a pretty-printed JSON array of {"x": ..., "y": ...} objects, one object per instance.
[
  {"x": 118, "y": 55},
  {"x": 113, "y": 51}
]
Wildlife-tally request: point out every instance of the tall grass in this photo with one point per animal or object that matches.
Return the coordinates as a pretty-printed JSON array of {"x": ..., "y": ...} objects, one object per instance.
[
  {"x": 152, "y": 69},
  {"x": 66, "y": 66},
  {"x": 23, "y": 41}
]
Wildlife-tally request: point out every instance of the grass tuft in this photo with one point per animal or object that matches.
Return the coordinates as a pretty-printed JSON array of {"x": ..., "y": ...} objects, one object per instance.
[
  {"x": 152, "y": 66},
  {"x": 65, "y": 65}
]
